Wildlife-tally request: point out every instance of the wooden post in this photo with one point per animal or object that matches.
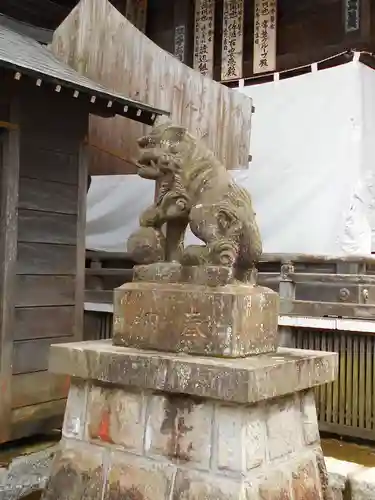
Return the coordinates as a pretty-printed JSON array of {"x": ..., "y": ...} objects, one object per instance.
[
  {"x": 287, "y": 291},
  {"x": 81, "y": 242},
  {"x": 9, "y": 178},
  {"x": 136, "y": 13}
]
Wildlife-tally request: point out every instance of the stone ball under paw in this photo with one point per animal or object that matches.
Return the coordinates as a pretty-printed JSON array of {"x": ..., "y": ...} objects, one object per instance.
[{"x": 147, "y": 245}]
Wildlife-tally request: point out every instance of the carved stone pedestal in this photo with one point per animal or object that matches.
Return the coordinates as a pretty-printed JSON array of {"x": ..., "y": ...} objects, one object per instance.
[
  {"x": 143, "y": 425},
  {"x": 199, "y": 310}
]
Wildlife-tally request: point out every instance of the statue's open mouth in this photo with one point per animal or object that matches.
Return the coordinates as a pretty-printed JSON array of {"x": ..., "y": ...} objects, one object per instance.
[{"x": 147, "y": 167}]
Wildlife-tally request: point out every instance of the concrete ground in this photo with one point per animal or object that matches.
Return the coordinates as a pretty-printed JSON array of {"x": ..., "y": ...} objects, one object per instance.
[{"x": 24, "y": 468}]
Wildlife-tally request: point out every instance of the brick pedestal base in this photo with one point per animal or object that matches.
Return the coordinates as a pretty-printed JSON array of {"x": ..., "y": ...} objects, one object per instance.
[{"x": 156, "y": 426}]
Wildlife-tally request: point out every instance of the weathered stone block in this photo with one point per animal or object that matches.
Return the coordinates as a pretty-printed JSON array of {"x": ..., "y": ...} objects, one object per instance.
[
  {"x": 305, "y": 481},
  {"x": 362, "y": 484},
  {"x": 339, "y": 472},
  {"x": 192, "y": 485},
  {"x": 168, "y": 272},
  {"x": 327, "y": 491},
  {"x": 75, "y": 411},
  {"x": 136, "y": 478},
  {"x": 229, "y": 436},
  {"x": 240, "y": 435},
  {"x": 275, "y": 486},
  {"x": 179, "y": 428},
  {"x": 231, "y": 321},
  {"x": 309, "y": 418},
  {"x": 117, "y": 416},
  {"x": 77, "y": 473},
  {"x": 337, "y": 494},
  {"x": 255, "y": 437},
  {"x": 284, "y": 427}
]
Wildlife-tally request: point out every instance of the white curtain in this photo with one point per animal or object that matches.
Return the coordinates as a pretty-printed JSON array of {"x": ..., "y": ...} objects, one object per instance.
[{"x": 312, "y": 174}]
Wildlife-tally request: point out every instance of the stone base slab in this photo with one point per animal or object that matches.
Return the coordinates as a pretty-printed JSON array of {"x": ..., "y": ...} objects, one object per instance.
[
  {"x": 248, "y": 380},
  {"x": 230, "y": 321}
]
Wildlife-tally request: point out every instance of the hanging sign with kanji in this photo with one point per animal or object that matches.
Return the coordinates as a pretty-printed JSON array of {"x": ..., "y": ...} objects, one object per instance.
[
  {"x": 352, "y": 15},
  {"x": 265, "y": 13},
  {"x": 232, "y": 43},
  {"x": 179, "y": 42},
  {"x": 204, "y": 36}
]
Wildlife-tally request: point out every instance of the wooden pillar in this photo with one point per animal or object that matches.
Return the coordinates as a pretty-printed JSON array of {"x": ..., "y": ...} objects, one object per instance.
[
  {"x": 287, "y": 291},
  {"x": 136, "y": 13},
  {"x": 365, "y": 21},
  {"x": 9, "y": 182},
  {"x": 81, "y": 242}
]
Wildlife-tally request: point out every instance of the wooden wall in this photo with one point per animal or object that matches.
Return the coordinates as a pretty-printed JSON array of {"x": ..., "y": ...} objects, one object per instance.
[
  {"x": 130, "y": 63},
  {"x": 308, "y": 30},
  {"x": 46, "y": 274}
]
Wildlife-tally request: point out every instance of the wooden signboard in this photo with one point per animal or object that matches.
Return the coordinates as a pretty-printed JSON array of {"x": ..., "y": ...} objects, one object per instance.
[
  {"x": 264, "y": 36},
  {"x": 204, "y": 37},
  {"x": 352, "y": 15},
  {"x": 232, "y": 44},
  {"x": 179, "y": 42}
]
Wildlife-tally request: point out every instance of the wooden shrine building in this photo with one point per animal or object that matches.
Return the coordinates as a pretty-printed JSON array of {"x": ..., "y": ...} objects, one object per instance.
[
  {"x": 226, "y": 38},
  {"x": 232, "y": 40},
  {"x": 44, "y": 111},
  {"x": 326, "y": 303}
]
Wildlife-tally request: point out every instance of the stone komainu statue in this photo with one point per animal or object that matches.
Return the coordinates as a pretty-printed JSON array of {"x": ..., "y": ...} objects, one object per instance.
[{"x": 194, "y": 189}]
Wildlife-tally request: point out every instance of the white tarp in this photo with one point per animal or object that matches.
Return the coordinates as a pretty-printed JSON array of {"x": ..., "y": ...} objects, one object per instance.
[{"x": 311, "y": 177}]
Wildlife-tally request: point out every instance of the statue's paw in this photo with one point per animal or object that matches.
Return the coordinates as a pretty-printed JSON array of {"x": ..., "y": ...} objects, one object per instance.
[{"x": 224, "y": 253}]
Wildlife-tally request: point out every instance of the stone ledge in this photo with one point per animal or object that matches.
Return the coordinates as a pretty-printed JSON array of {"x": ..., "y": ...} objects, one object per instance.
[
  {"x": 350, "y": 481},
  {"x": 362, "y": 484},
  {"x": 244, "y": 380}
]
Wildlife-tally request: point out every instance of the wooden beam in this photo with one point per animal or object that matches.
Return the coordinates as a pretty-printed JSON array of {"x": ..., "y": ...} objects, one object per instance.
[
  {"x": 8, "y": 125},
  {"x": 8, "y": 259}
]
